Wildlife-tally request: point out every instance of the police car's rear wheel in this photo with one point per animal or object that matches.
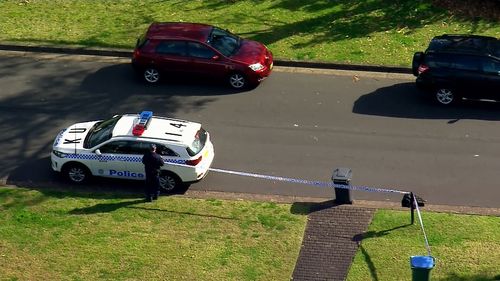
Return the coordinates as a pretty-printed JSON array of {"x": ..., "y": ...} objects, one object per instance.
[
  {"x": 169, "y": 182},
  {"x": 151, "y": 75},
  {"x": 76, "y": 173}
]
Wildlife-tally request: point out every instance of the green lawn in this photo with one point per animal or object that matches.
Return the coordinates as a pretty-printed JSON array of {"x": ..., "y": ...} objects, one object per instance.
[
  {"x": 54, "y": 235},
  {"x": 385, "y": 32},
  {"x": 466, "y": 248},
  {"x": 69, "y": 236}
]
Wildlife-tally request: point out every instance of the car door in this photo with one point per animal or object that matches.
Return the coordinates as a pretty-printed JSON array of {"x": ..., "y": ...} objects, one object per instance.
[
  {"x": 205, "y": 61},
  {"x": 171, "y": 57},
  {"x": 138, "y": 148},
  {"x": 111, "y": 160},
  {"x": 468, "y": 77},
  {"x": 491, "y": 78}
]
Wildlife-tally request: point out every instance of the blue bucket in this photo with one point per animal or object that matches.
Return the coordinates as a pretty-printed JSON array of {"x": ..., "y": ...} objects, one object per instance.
[{"x": 425, "y": 262}]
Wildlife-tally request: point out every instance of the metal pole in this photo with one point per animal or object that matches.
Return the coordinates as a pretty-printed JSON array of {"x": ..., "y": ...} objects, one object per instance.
[{"x": 412, "y": 207}]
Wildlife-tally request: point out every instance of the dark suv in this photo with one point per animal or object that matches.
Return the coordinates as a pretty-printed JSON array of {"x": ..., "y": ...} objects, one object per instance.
[
  {"x": 200, "y": 50},
  {"x": 459, "y": 66}
]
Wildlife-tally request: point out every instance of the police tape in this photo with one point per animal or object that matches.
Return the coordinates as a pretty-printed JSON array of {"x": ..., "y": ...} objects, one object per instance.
[
  {"x": 330, "y": 184},
  {"x": 327, "y": 184},
  {"x": 308, "y": 182}
]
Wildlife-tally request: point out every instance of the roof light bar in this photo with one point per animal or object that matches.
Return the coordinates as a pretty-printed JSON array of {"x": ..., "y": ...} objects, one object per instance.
[{"x": 142, "y": 125}]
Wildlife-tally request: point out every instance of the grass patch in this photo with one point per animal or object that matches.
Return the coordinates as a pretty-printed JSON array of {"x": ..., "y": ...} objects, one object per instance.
[
  {"x": 384, "y": 32},
  {"x": 68, "y": 236},
  {"x": 74, "y": 236},
  {"x": 465, "y": 247}
]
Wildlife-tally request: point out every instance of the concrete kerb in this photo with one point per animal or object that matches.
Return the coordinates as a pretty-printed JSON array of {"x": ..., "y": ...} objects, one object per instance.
[
  {"x": 124, "y": 55},
  {"x": 468, "y": 210}
]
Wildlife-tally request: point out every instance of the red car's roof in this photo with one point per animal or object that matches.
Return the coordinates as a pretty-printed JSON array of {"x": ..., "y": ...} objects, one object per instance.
[{"x": 194, "y": 31}]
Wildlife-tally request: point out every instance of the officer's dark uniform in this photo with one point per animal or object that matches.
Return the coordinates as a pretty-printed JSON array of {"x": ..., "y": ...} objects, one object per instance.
[{"x": 152, "y": 163}]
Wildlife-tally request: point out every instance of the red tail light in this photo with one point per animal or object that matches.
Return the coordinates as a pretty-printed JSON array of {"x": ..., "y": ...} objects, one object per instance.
[
  {"x": 194, "y": 162},
  {"x": 422, "y": 68},
  {"x": 136, "y": 54}
]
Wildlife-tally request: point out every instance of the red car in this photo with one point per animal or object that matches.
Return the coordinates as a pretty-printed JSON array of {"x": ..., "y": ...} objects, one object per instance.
[{"x": 193, "y": 49}]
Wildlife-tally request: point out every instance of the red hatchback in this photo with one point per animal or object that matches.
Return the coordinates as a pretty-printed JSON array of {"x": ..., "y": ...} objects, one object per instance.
[{"x": 193, "y": 49}]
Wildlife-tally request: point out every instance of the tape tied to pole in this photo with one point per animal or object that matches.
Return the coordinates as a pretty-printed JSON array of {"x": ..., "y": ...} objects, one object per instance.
[{"x": 309, "y": 182}]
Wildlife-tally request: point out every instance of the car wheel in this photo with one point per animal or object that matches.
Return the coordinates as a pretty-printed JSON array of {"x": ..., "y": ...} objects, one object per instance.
[
  {"x": 445, "y": 96},
  {"x": 76, "y": 173},
  {"x": 170, "y": 182},
  {"x": 237, "y": 80},
  {"x": 151, "y": 75}
]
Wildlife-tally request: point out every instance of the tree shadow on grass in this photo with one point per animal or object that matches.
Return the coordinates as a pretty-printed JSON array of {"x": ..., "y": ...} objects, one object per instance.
[
  {"x": 340, "y": 19},
  {"x": 375, "y": 234},
  {"x": 183, "y": 213},
  {"x": 366, "y": 256},
  {"x": 469, "y": 277},
  {"x": 104, "y": 207},
  {"x": 331, "y": 21},
  {"x": 369, "y": 263}
]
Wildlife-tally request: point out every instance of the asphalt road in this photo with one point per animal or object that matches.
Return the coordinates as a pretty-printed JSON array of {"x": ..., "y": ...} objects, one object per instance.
[{"x": 296, "y": 124}]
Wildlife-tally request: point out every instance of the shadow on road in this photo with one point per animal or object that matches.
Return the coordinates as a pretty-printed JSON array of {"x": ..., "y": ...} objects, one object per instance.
[
  {"x": 120, "y": 80},
  {"x": 35, "y": 108},
  {"x": 405, "y": 101}
]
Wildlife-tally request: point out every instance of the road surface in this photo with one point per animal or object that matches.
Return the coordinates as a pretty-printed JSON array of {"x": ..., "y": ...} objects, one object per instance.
[{"x": 296, "y": 124}]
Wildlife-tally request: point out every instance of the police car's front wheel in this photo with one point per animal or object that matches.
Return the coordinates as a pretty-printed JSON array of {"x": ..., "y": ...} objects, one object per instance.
[
  {"x": 170, "y": 182},
  {"x": 76, "y": 173}
]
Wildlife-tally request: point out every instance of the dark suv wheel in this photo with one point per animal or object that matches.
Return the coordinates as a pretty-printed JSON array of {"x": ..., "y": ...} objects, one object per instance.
[{"x": 445, "y": 96}]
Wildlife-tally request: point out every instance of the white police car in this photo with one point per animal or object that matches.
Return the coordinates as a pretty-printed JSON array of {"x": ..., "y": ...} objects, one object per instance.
[{"x": 114, "y": 148}]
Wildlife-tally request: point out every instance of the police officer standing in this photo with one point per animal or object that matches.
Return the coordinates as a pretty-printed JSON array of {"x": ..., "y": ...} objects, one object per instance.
[{"x": 152, "y": 163}]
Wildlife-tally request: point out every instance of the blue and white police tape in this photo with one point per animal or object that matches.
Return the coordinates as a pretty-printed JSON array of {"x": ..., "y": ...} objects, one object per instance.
[
  {"x": 330, "y": 184},
  {"x": 294, "y": 180},
  {"x": 308, "y": 182},
  {"x": 325, "y": 184}
]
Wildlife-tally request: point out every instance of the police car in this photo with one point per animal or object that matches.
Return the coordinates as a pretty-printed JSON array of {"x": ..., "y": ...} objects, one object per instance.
[{"x": 114, "y": 148}]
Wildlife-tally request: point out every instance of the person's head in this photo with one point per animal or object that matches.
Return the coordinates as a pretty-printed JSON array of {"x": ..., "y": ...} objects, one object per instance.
[{"x": 152, "y": 148}]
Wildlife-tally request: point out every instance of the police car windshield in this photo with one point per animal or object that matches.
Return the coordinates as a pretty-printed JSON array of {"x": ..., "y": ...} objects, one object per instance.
[{"x": 101, "y": 132}]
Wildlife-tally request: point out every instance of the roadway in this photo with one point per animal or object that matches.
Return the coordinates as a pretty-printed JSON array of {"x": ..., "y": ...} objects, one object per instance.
[{"x": 299, "y": 123}]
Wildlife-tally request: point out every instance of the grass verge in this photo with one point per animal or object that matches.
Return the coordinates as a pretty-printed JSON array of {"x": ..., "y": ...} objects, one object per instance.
[
  {"x": 49, "y": 235},
  {"x": 466, "y": 248},
  {"x": 63, "y": 236},
  {"x": 384, "y": 32}
]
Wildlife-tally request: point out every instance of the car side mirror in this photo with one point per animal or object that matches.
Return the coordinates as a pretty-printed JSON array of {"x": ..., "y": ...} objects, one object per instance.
[
  {"x": 216, "y": 57},
  {"x": 98, "y": 152}
]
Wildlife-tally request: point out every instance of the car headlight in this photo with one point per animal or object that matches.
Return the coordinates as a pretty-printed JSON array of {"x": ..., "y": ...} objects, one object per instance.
[
  {"x": 59, "y": 153},
  {"x": 256, "y": 66}
]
